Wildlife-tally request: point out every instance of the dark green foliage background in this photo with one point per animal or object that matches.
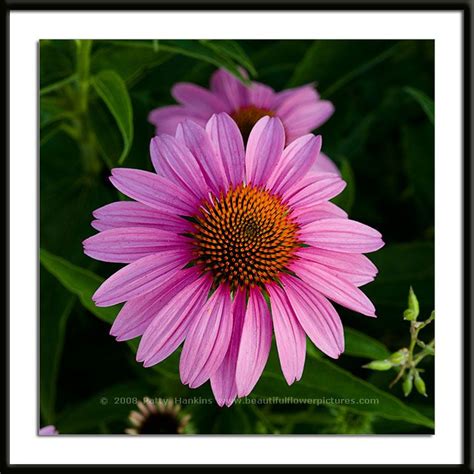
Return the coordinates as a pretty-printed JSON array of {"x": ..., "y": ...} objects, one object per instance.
[{"x": 382, "y": 138}]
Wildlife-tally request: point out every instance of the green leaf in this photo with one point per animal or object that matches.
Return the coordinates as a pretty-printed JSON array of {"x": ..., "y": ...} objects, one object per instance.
[
  {"x": 111, "y": 404},
  {"x": 84, "y": 283},
  {"x": 359, "y": 344},
  {"x": 360, "y": 70},
  {"x": 205, "y": 52},
  {"x": 418, "y": 159},
  {"x": 336, "y": 63},
  {"x": 68, "y": 198},
  {"x": 399, "y": 264},
  {"x": 49, "y": 132},
  {"x": 227, "y": 56},
  {"x": 52, "y": 110},
  {"x": 56, "y": 60},
  {"x": 325, "y": 383},
  {"x": 108, "y": 137},
  {"x": 129, "y": 62},
  {"x": 423, "y": 100},
  {"x": 112, "y": 90},
  {"x": 318, "y": 419},
  {"x": 234, "y": 421},
  {"x": 55, "y": 305},
  {"x": 233, "y": 50},
  {"x": 345, "y": 200},
  {"x": 277, "y": 73},
  {"x": 78, "y": 281}
]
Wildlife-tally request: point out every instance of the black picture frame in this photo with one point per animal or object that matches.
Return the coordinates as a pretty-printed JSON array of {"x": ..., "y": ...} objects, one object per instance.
[{"x": 463, "y": 6}]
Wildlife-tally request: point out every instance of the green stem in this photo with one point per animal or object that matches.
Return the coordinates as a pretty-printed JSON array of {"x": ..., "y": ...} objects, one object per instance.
[
  {"x": 428, "y": 350},
  {"x": 414, "y": 337},
  {"x": 414, "y": 359},
  {"x": 83, "y": 72},
  {"x": 415, "y": 329},
  {"x": 86, "y": 137},
  {"x": 58, "y": 85},
  {"x": 398, "y": 377}
]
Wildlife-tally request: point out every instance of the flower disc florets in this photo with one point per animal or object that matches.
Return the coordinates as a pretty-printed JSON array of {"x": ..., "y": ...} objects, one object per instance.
[{"x": 245, "y": 237}]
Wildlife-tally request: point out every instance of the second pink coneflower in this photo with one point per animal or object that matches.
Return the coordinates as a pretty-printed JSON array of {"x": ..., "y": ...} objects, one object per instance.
[{"x": 300, "y": 109}]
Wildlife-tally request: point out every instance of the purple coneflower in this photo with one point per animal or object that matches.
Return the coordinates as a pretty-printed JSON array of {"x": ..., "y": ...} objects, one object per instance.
[
  {"x": 300, "y": 109},
  {"x": 226, "y": 245}
]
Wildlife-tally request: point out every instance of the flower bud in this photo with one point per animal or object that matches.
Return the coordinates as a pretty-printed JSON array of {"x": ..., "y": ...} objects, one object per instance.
[
  {"x": 407, "y": 385},
  {"x": 420, "y": 385},
  {"x": 399, "y": 357},
  {"x": 379, "y": 365},
  {"x": 413, "y": 306}
]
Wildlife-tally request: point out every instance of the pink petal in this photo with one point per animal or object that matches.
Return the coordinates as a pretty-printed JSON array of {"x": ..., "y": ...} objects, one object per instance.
[
  {"x": 333, "y": 286},
  {"x": 140, "y": 277},
  {"x": 324, "y": 164},
  {"x": 208, "y": 339},
  {"x": 229, "y": 89},
  {"x": 171, "y": 324},
  {"x": 264, "y": 149},
  {"x": 254, "y": 345},
  {"x": 323, "y": 210},
  {"x": 341, "y": 235},
  {"x": 135, "y": 214},
  {"x": 125, "y": 245},
  {"x": 260, "y": 96},
  {"x": 290, "y": 99},
  {"x": 290, "y": 336},
  {"x": 315, "y": 189},
  {"x": 49, "y": 430},
  {"x": 296, "y": 161},
  {"x": 229, "y": 145},
  {"x": 199, "y": 143},
  {"x": 166, "y": 119},
  {"x": 137, "y": 313},
  {"x": 306, "y": 118},
  {"x": 174, "y": 161},
  {"x": 201, "y": 101},
  {"x": 154, "y": 191},
  {"x": 353, "y": 267},
  {"x": 317, "y": 316},
  {"x": 223, "y": 380}
]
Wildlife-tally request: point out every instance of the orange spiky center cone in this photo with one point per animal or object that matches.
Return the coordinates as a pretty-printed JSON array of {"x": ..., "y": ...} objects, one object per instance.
[
  {"x": 245, "y": 237},
  {"x": 246, "y": 117}
]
